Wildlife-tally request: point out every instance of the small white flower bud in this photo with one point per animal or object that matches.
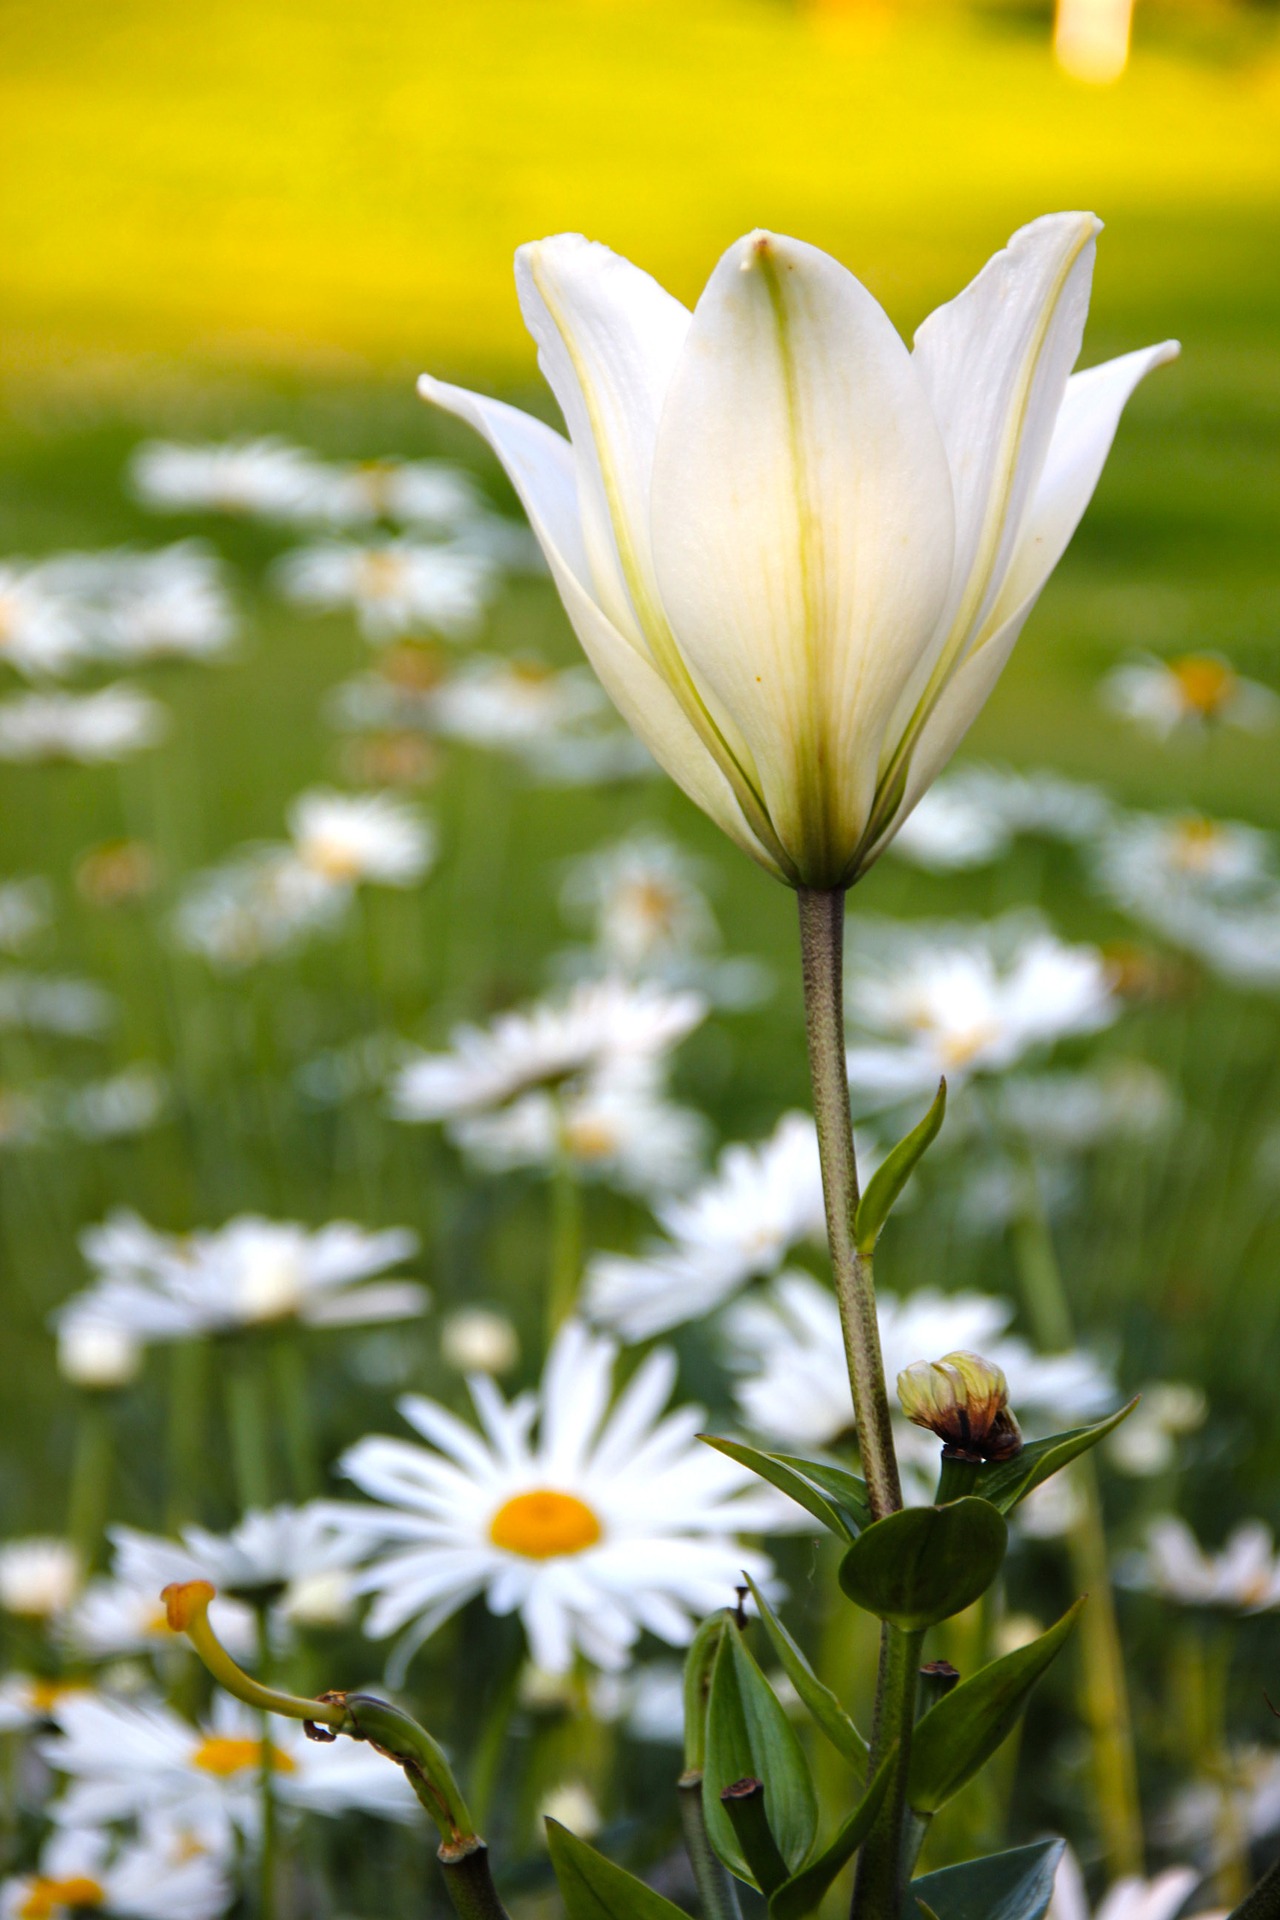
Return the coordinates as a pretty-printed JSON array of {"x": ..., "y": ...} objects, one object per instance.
[
  {"x": 321, "y": 1599},
  {"x": 97, "y": 1355},
  {"x": 478, "y": 1340},
  {"x": 39, "y": 1577},
  {"x": 572, "y": 1805}
]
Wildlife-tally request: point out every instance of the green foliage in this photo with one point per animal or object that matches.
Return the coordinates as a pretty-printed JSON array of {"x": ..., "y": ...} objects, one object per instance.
[
  {"x": 920, "y": 1566},
  {"x": 699, "y": 1663},
  {"x": 960, "y": 1734},
  {"x": 1263, "y": 1903},
  {"x": 893, "y": 1173},
  {"x": 1003, "y": 1886},
  {"x": 749, "y": 1736},
  {"x": 805, "y": 1890},
  {"x": 798, "y": 1479},
  {"x": 1005, "y": 1482},
  {"x": 593, "y": 1888},
  {"x": 817, "y": 1697}
]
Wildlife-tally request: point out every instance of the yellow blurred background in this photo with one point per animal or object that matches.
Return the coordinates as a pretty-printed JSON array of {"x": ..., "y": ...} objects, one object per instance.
[{"x": 341, "y": 186}]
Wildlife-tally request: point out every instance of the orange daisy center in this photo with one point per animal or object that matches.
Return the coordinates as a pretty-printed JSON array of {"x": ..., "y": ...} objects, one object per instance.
[
  {"x": 227, "y": 1754},
  {"x": 1205, "y": 685},
  {"x": 544, "y": 1524}
]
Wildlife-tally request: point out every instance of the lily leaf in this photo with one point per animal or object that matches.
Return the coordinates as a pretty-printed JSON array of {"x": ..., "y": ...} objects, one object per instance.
[
  {"x": 1002, "y": 1886},
  {"x": 818, "y": 1698},
  {"x": 923, "y": 1564},
  {"x": 593, "y": 1888},
  {"x": 1005, "y": 1482},
  {"x": 893, "y": 1173},
  {"x": 750, "y": 1737},
  {"x": 843, "y": 1488},
  {"x": 959, "y": 1735},
  {"x": 778, "y": 1470},
  {"x": 1263, "y": 1902},
  {"x": 805, "y": 1890}
]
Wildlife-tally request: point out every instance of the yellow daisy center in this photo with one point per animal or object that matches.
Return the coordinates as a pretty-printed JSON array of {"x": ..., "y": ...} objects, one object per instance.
[
  {"x": 224, "y": 1754},
  {"x": 590, "y": 1139},
  {"x": 46, "y": 1694},
  {"x": 333, "y": 858},
  {"x": 653, "y": 903},
  {"x": 8, "y": 619},
  {"x": 381, "y": 575},
  {"x": 1205, "y": 685},
  {"x": 1195, "y": 843},
  {"x": 961, "y": 1049},
  {"x": 544, "y": 1524},
  {"x": 46, "y": 1898}
]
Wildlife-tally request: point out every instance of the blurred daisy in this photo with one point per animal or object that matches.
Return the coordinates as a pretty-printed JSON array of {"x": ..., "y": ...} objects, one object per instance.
[
  {"x": 971, "y": 816},
  {"x": 125, "y": 1760},
  {"x": 740, "y": 1223},
  {"x": 265, "y": 478},
  {"x": 39, "y": 1577},
  {"x": 26, "y": 909},
  {"x": 1243, "y": 1800},
  {"x": 574, "y": 1806},
  {"x": 1244, "y": 1577},
  {"x": 1128, "y": 1899},
  {"x": 1211, "y": 887},
  {"x": 641, "y": 902},
  {"x": 41, "y": 632},
  {"x": 269, "y": 1551},
  {"x": 594, "y": 1521},
  {"x": 421, "y": 493},
  {"x": 974, "y": 1001},
  {"x": 1067, "y": 1113},
  {"x": 616, "y": 1127},
  {"x": 354, "y": 838},
  {"x": 263, "y": 904},
  {"x": 135, "y": 606},
  {"x": 28, "y": 1700},
  {"x": 393, "y": 586},
  {"x": 94, "y": 1355},
  {"x": 91, "y": 728},
  {"x": 83, "y": 1870},
  {"x": 1146, "y": 1443},
  {"x": 1194, "y": 691},
  {"x": 601, "y": 1025},
  {"x": 117, "y": 1108},
  {"x": 116, "y": 873},
  {"x": 54, "y": 1003},
  {"x": 250, "y": 1272},
  {"x": 512, "y": 704},
  {"x": 120, "y": 1614},
  {"x": 594, "y": 755},
  {"x": 788, "y": 1350}
]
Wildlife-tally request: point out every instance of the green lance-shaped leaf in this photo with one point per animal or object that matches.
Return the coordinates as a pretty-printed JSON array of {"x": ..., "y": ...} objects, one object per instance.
[
  {"x": 784, "y": 1474},
  {"x": 893, "y": 1173},
  {"x": 593, "y": 1888},
  {"x": 1263, "y": 1902},
  {"x": 749, "y": 1736},
  {"x": 1005, "y": 1482},
  {"x": 920, "y": 1566},
  {"x": 844, "y": 1489},
  {"x": 959, "y": 1735},
  {"x": 817, "y": 1697},
  {"x": 805, "y": 1890},
  {"x": 698, "y": 1665},
  {"x": 1002, "y": 1886}
]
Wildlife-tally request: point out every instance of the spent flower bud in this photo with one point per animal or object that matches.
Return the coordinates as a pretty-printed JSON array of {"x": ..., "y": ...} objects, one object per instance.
[{"x": 964, "y": 1399}]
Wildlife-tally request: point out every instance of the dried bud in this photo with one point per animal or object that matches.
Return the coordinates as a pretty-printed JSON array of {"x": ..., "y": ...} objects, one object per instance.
[{"x": 964, "y": 1399}]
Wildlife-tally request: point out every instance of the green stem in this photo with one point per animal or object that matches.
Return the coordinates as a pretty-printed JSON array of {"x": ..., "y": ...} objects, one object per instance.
[
  {"x": 188, "y": 1398},
  {"x": 486, "y": 1762},
  {"x": 247, "y": 1425},
  {"x": 266, "y": 1781},
  {"x": 90, "y": 1478},
  {"x": 822, "y": 959},
  {"x": 566, "y": 1243},
  {"x": 469, "y": 1882},
  {"x": 881, "y": 1876},
  {"x": 1106, "y": 1691},
  {"x": 717, "y": 1895},
  {"x": 289, "y": 1369}
]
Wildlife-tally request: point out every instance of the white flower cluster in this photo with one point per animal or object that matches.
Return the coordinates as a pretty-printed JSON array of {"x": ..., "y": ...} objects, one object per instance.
[{"x": 121, "y": 606}]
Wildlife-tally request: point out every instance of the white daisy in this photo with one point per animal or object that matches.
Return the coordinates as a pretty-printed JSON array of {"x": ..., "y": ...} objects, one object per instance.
[
  {"x": 1064, "y": 1112},
  {"x": 27, "y": 1700},
  {"x": 275, "y": 1547},
  {"x": 353, "y": 838},
  {"x": 1146, "y": 1443},
  {"x": 121, "y": 1614},
  {"x": 91, "y": 728},
  {"x": 263, "y": 904},
  {"x": 1244, "y": 1577},
  {"x": 393, "y": 586},
  {"x": 971, "y": 1001},
  {"x": 127, "y": 1759},
  {"x": 428, "y": 494},
  {"x": 83, "y": 1870},
  {"x": 96, "y": 1355},
  {"x": 54, "y": 1003},
  {"x": 970, "y": 817},
  {"x": 264, "y": 478},
  {"x": 600, "y": 1025},
  {"x": 512, "y": 704},
  {"x": 741, "y": 1222},
  {"x": 250, "y": 1272},
  {"x": 1243, "y": 1798},
  {"x": 42, "y": 633},
  {"x": 594, "y": 1522},
  {"x": 173, "y": 602},
  {"x": 1129, "y": 1899},
  {"x": 39, "y": 1577},
  {"x": 1211, "y": 887},
  {"x": 26, "y": 909},
  {"x": 641, "y": 902},
  {"x": 1197, "y": 690},
  {"x": 616, "y": 1127},
  {"x": 117, "y": 1108},
  {"x": 794, "y": 1388},
  {"x": 479, "y": 1340}
]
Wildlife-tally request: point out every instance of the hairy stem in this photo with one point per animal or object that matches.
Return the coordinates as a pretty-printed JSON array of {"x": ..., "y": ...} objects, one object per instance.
[
  {"x": 822, "y": 958},
  {"x": 878, "y": 1888}
]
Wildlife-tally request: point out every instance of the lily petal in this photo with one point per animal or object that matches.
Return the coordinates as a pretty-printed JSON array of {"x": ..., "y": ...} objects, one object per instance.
[
  {"x": 608, "y": 341},
  {"x": 540, "y": 465},
  {"x": 995, "y": 362},
  {"x": 802, "y": 530},
  {"x": 1082, "y": 437}
]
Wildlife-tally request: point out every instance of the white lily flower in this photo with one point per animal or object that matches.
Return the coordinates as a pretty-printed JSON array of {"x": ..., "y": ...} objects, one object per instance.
[{"x": 798, "y": 555}]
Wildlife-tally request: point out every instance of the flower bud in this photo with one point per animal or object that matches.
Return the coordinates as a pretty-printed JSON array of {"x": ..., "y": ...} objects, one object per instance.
[
  {"x": 97, "y": 1355},
  {"x": 964, "y": 1399}
]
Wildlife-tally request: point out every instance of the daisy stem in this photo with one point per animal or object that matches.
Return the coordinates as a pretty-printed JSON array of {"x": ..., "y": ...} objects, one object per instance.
[
  {"x": 90, "y": 1477},
  {"x": 290, "y": 1381},
  {"x": 1106, "y": 1692},
  {"x": 188, "y": 1397},
  {"x": 246, "y": 1422},
  {"x": 566, "y": 1243},
  {"x": 822, "y": 959}
]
